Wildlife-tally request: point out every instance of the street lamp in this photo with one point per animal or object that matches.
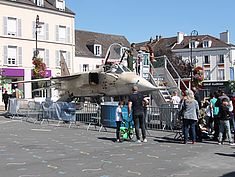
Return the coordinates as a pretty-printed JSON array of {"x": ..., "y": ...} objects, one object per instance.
[
  {"x": 37, "y": 26},
  {"x": 194, "y": 33}
]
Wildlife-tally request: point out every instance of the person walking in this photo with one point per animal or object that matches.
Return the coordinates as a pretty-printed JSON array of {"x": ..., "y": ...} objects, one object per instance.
[
  {"x": 190, "y": 116},
  {"x": 5, "y": 99},
  {"x": 135, "y": 104},
  {"x": 119, "y": 119}
]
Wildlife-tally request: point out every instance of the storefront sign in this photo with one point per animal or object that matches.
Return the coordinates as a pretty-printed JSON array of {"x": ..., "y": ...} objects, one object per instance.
[{"x": 213, "y": 84}]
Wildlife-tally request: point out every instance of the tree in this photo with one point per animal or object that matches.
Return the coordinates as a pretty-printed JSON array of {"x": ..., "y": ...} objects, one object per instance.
[{"x": 181, "y": 66}]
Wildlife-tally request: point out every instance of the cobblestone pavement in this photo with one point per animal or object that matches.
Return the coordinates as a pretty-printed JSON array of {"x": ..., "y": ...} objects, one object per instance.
[{"x": 32, "y": 150}]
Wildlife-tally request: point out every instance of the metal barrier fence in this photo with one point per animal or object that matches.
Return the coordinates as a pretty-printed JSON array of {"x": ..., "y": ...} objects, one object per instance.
[
  {"x": 164, "y": 117},
  {"x": 86, "y": 112}
]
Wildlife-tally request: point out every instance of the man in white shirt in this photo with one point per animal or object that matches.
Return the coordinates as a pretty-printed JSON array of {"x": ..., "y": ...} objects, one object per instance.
[{"x": 175, "y": 99}]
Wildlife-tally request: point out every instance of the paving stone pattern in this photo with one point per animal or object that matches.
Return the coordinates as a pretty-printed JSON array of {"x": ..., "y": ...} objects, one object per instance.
[{"x": 32, "y": 150}]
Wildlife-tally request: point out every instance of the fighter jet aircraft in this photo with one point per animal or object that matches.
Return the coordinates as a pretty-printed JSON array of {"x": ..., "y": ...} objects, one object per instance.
[{"x": 109, "y": 80}]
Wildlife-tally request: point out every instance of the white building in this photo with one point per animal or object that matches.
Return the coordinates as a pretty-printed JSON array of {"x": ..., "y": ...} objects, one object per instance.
[
  {"x": 215, "y": 56},
  {"x": 55, "y": 34}
]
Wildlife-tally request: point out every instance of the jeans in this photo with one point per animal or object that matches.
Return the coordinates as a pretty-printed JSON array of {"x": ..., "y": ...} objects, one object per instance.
[
  {"x": 188, "y": 123},
  {"x": 139, "y": 123},
  {"x": 224, "y": 126}
]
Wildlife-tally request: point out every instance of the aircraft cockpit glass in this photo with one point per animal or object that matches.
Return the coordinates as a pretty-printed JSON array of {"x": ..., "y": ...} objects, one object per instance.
[
  {"x": 118, "y": 69},
  {"x": 125, "y": 68}
]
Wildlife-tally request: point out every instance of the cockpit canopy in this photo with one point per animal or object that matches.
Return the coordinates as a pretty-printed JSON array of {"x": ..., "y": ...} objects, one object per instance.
[{"x": 118, "y": 69}]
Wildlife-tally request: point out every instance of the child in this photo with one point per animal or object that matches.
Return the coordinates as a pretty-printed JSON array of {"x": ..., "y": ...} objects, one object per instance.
[
  {"x": 119, "y": 117},
  {"x": 224, "y": 116}
]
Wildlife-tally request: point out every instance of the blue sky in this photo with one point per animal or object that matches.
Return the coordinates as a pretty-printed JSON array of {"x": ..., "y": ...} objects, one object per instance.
[{"x": 139, "y": 20}]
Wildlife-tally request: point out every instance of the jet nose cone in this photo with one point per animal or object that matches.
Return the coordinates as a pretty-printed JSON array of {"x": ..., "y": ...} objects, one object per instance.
[{"x": 145, "y": 86}]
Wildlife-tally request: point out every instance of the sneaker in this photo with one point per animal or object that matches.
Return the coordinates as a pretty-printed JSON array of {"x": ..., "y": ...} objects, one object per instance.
[
  {"x": 145, "y": 140},
  {"x": 219, "y": 143},
  {"x": 232, "y": 144},
  {"x": 118, "y": 140},
  {"x": 138, "y": 141},
  {"x": 193, "y": 142}
]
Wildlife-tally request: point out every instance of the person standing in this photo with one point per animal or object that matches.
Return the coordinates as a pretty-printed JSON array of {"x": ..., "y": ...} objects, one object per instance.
[
  {"x": 175, "y": 99},
  {"x": 190, "y": 116},
  {"x": 135, "y": 104},
  {"x": 130, "y": 59},
  {"x": 224, "y": 126},
  {"x": 5, "y": 99},
  {"x": 214, "y": 122},
  {"x": 119, "y": 119}
]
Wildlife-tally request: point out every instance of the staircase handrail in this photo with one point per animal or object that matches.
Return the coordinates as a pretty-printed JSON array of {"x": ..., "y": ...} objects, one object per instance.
[{"x": 165, "y": 65}]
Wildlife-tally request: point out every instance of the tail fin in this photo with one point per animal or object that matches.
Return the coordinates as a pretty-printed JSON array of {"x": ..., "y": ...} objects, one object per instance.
[{"x": 63, "y": 66}]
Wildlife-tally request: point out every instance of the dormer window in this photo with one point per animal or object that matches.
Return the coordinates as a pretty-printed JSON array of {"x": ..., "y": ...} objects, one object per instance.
[
  {"x": 206, "y": 44},
  {"x": 60, "y": 4},
  {"x": 97, "y": 50},
  {"x": 39, "y": 2},
  {"x": 193, "y": 44}
]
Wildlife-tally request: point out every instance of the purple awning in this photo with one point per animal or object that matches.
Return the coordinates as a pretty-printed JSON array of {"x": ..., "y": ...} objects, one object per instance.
[{"x": 9, "y": 72}]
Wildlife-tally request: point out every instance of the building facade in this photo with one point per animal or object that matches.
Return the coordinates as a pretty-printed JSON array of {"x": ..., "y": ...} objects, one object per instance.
[
  {"x": 215, "y": 55},
  {"x": 91, "y": 49},
  {"x": 54, "y": 31}
]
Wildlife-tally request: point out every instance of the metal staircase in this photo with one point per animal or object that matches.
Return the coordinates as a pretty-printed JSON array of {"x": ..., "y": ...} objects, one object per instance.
[{"x": 163, "y": 80}]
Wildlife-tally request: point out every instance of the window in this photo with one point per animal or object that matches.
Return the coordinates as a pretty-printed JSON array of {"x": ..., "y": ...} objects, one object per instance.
[
  {"x": 11, "y": 55},
  {"x": 221, "y": 74},
  {"x": 11, "y": 26},
  {"x": 206, "y": 59},
  {"x": 205, "y": 44},
  {"x": 40, "y": 2},
  {"x": 85, "y": 67},
  {"x": 192, "y": 44},
  {"x": 60, "y": 4},
  {"x": 41, "y": 54},
  {"x": 207, "y": 75},
  {"x": 97, "y": 50},
  {"x": 221, "y": 59},
  {"x": 62, "y": 33},
  {"x": 41, "y": 30},
  {"x": 59, "y": 54}
]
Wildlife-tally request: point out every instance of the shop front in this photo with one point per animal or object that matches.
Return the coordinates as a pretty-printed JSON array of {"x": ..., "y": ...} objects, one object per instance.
[
  {"x": 211, "y": 87},
  {"x": 10, "y": 75}
]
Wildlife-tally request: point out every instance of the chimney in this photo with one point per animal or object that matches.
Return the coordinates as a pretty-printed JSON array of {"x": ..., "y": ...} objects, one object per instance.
[
  {"x": 157, "y": 37},
  {"x": 180, "y": 37},
  {"x": 224, "y": 36}
]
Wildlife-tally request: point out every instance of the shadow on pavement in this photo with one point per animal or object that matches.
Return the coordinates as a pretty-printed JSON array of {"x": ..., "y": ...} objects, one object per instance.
[
  {"x": 107, "y": 138},
  {"x": 228, "y": 155},
  {"x": 232, "y": 174},
  {"x": 167, "y": 140}
]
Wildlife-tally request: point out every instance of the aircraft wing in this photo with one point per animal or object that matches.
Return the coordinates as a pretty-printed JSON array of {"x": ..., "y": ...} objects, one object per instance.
[
  {"x": 34, "y": 80},
  {"x": 65, "y": 78}
]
